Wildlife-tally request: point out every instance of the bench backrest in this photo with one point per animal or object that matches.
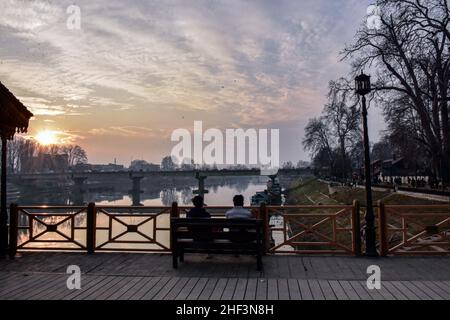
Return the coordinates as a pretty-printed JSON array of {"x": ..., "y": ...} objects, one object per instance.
[{"x": 241, "y": 230}]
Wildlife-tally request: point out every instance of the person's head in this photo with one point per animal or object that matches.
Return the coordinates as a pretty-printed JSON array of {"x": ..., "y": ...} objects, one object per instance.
[
  {"x": 198, "y": 201},
  {"x": 238, "y": 200}
]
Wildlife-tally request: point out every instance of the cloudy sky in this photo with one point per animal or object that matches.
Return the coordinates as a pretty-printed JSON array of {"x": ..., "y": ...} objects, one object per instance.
[{"x": 137, "y": 70}]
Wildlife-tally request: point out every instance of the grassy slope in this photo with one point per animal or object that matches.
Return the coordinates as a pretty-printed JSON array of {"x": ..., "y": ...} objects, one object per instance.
[{"x": 312, "y": 191}]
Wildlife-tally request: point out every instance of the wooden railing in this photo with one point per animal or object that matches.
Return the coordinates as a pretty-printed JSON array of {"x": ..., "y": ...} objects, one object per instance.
[
  {"x": 287, "y": 229},
  {"x": 418, "y": 229},
  {"x": 314, "y": 230},
  {"x": 123, "y": 228}
]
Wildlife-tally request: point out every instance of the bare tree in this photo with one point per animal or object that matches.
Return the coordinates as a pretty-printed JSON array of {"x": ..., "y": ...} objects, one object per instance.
[
  {"x": 411, "y": 55},
  {"x": 343, "y": 117},
  {"x": 75, "y": 154}
]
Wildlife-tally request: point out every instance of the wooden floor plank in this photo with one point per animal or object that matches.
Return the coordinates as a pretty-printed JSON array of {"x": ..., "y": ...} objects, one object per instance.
[
  {"x": 198, "y": 288},
  {"x": 283, "y": 289},
  {"x": 100, "y": 290},
  {"x": 444, "y": 286},
  {"x": 316, "y": 290},
  {"x": 88, "y": 284},
  {"x": 218, "y": 290},
  {"x": 294, "y": 290},
  {"x": 127, "y": 284},
  {"x": 305, "y": 290},
  {"x": 338, "y": 290},
  {"x": 140, "y": 289},
  {"x": 209, "y": 288},
  {"x": 327, "y": 291},
  {"x": 429, "y": 292},
  {"x": 418, "y": 292},
  {"x": 272, "y": 289},
  {"x": 175, "y": 289},
  {"x": 82, "y": 294},
  {"x": 229, "y": 289},
  {"x": 360, "y": 290},
  {"x": 48, "y": 284},
  {"x": 349, "y": 290},
  {"x": 261, "y": 289},
  {"x": 16, "y": 282},
  {"x": 152, "y": 288},
  {"x": 113, "y": 286},
  {"x": 239, "y": 292},
  {"x": 250, "y": 290},
  {"x": 124, "y": 276},
  {"x": 184, "y": 293},
  {"x": 437, "y": 289}
]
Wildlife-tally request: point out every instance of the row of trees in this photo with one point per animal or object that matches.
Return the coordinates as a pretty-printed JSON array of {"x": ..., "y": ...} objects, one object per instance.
[
  {"x": 167, "y": 164},
  {"x": 25, "y": 155},
  {"x": 409, "y": 54}
]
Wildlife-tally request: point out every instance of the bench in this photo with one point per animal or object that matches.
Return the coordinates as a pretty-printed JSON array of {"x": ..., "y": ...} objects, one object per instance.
[{"x": 221, "y": 236}]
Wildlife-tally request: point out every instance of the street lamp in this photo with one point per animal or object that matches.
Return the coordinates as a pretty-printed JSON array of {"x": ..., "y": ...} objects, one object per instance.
[{"x": 362, "y": 88}]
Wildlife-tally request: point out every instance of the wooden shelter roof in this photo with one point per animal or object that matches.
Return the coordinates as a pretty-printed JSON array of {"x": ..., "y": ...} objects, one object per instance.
[{"x": 14, "y": 116}]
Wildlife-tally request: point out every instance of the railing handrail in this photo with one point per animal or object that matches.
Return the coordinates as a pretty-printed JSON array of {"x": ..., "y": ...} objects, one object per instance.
[{"x": 182, "y": 207}]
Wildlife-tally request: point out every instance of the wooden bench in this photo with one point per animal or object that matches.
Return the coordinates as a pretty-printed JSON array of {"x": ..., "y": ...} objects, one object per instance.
[{"x": 221, "y": 236}]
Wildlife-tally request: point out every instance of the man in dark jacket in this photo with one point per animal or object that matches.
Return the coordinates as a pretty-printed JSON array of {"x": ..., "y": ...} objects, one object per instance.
[{"x": 198, "y": 211}]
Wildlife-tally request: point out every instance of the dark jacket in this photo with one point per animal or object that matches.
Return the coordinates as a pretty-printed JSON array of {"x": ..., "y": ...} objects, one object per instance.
[{"x": 198, "y": 213}]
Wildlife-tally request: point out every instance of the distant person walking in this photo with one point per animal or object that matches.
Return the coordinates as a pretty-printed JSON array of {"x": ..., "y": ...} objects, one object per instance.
[
  {"x": 238, "y": 212},
  {"x": 198, "y": 211}
]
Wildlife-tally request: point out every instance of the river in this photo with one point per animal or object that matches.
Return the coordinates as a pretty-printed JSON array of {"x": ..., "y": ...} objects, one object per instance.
[{"x": 153, "y": 193}]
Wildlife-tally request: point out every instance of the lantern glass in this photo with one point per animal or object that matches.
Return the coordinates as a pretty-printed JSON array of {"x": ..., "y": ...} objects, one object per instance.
[{"x": 362, "y": 84}]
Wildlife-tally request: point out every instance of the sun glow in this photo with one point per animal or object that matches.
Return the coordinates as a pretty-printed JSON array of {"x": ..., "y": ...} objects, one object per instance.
[{"x": 46, "y": 137}]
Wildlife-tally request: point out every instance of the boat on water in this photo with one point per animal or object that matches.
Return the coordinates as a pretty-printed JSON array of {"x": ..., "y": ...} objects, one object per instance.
[{"x": 271, "y": 196}]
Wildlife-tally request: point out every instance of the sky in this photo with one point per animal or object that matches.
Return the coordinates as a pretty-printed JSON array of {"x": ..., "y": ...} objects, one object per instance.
[{"x": 137, "y": 70}]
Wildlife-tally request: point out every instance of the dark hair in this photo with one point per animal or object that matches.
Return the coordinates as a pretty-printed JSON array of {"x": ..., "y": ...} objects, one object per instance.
[
  {"x": 198, "y": 201},
  {"x": 238, "y": 200}
]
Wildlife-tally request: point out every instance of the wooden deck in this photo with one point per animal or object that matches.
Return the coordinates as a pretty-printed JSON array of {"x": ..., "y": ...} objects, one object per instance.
[{"x": 124, "y": 276}]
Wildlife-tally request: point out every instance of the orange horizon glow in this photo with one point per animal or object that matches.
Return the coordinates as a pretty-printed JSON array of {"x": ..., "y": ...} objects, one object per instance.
[{"x": 47, "y": 137}]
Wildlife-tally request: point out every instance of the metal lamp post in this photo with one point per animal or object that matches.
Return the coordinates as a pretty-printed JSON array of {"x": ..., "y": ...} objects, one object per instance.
[{"x": 363, "y": 87}]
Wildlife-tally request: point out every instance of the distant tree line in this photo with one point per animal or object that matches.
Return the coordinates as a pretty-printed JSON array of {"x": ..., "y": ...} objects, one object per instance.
[
  {"x": 409, "y": 58},
  {"x": 27, "y": 155}
]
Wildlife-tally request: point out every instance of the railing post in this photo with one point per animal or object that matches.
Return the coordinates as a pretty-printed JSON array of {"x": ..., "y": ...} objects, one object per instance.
[
  {"x": 13, "y": 232},
  {"x": 91, "y": 228},
  {"x": 264, "y": 216},
  {"x": 174, "y": 212},
  {"x": 383, "y": 229},
  {"x": 356, "y": 225}
]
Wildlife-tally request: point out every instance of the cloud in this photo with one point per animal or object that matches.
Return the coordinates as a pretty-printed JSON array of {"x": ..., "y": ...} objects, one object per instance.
[
  {"x": 128, "y": 131},
  {"x": 246, "y": 63}
]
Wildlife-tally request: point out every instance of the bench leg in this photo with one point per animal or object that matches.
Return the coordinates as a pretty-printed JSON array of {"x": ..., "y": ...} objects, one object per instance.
[
  {"x": 182, "y": 256},
  {"x": 174, "y": 260},
  {"x": 259, "y": 262}
]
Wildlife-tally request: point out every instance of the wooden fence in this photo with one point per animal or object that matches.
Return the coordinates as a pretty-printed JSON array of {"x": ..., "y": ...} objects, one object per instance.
[
  {"x": 414, "y": 230},
  {"x": 287, "y": 229}
]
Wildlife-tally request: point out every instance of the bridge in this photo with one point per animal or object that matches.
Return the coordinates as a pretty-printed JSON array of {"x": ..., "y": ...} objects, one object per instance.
[
  {"x": 79, "y": 178},
  {"x": 153, "y": 174}
]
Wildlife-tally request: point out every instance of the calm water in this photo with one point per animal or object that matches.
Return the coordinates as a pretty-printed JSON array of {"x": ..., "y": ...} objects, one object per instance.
[
  {"x": 154, "y": 193},
  {"x": 110, "y": 193}
]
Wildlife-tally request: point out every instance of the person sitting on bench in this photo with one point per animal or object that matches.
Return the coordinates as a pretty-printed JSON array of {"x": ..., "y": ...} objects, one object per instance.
[
  {"x": 238, "y": 212},
  {"x": 198, "y": 211},
  {"x": 201, "y": 234}
]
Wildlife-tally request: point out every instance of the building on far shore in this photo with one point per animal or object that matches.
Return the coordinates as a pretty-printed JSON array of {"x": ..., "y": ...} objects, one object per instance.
[
  {"x": 45, "y": 162},
  {"x": 87, "y": 167},
  {"x": 142, "y": 165},
  {"x": 396, "y": 168}
]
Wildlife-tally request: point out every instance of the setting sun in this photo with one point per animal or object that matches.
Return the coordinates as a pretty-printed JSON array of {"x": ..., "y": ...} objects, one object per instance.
[{"x": 46, "y": 137}]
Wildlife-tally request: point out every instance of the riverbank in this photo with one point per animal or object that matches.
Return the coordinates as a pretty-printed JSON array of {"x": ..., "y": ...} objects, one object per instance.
[{"x": 316, "y": 192}]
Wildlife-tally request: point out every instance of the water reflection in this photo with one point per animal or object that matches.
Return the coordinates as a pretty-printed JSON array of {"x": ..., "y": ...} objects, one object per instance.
[{"x": 156, "y": 192}]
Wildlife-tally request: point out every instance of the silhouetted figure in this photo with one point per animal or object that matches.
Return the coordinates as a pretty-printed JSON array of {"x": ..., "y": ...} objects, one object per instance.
[
  {"x": 239, "y": 212},
  {"x": 198, "y": 211}
]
